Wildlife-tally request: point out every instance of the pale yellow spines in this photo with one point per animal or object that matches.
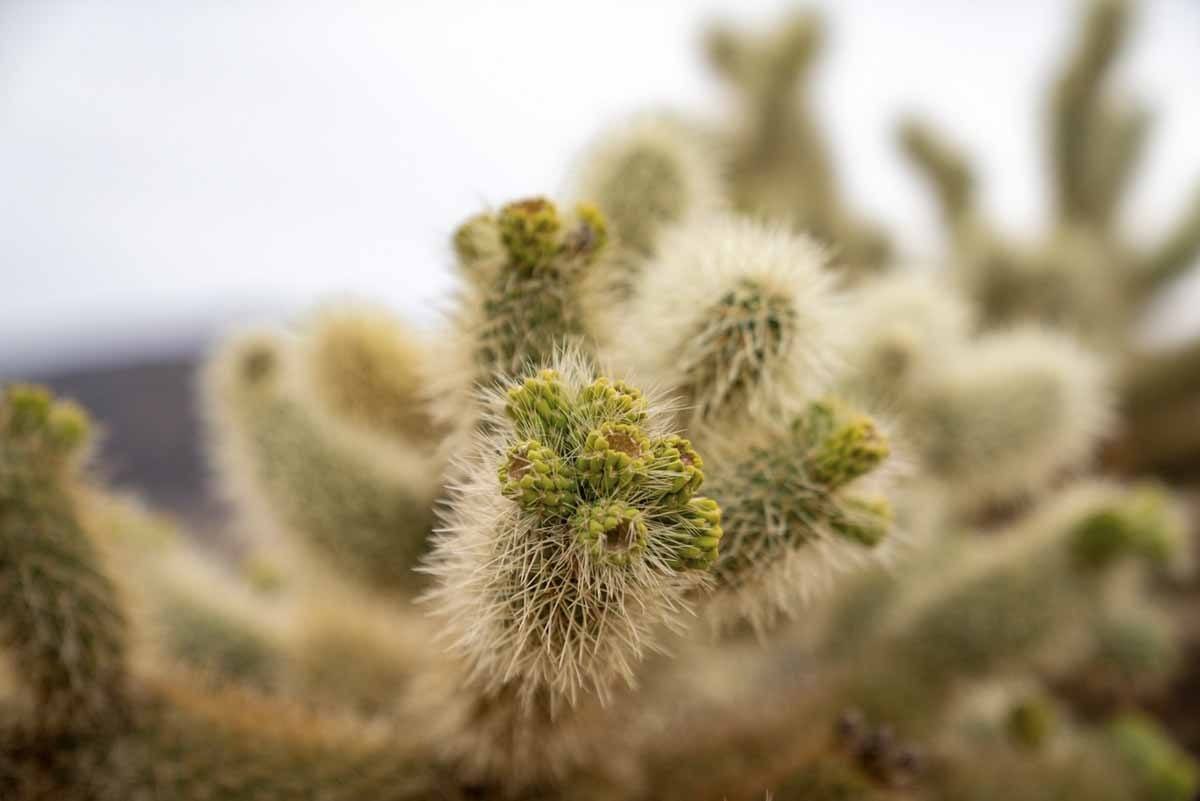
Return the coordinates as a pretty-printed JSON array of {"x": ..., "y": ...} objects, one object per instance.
[
  {"x": 368, "y": 368},
  {"x": 571, "y": 539},
  {"x": 737, "y": 317},
  {"x": 1007, "y": 415},
  {"x": 361, "y": 502},
  {"x": 900, "y": 330},
  {"x": 803, "y": 501}
]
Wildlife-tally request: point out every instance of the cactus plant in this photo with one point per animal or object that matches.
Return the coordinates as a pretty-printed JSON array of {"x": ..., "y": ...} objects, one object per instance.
[{"x": 594, "y": 536}]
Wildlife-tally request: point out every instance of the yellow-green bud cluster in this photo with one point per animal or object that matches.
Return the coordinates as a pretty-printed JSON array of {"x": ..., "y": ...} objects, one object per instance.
[
  {"x": 844, "y": 444},
  {"x": 799, "y": 488},
  {"x": 29, "y": 412},
  {"x": 539, "y": 402},
  {"x": 535, "y": 477},
  {"x": 700, "y": 520},
  {"x": 529, "y": 230},
  {"x": 614, "y": 456},
  {"x": 590, "y": 233},
  {"x": 614, "y": 400},
  {"x": 611, "y": 530},
  {"x": 478, "y": 242},
  {"x": 525, "y": 266},
  {"x": 679, "y": 460},
  {"x": 588, "y": 462}
]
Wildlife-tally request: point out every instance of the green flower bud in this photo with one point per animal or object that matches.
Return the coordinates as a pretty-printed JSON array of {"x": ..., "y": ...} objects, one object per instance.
[
  {"x": 614, "y": 531},
  {"x": 844, "y": 445},
  {"x": 677, "y": 461},
  {"x": 614, "y": 456},
  {"x": 28, "y": 408},
  {"x": 30, "y": 411},
  {"x": 612, "y": 400},
  {"x": 529, "y": 231},
  {"x": 539, "y": 404},
  {"x": 536, "y": 478},
  {"x": 477, "y": 243},
  {"x": 699, "y": 523},
  {"x": 68, "y": 425}
]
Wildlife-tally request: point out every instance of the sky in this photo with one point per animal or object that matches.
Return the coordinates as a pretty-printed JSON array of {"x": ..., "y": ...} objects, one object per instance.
[{"x": 170, "y": 166}]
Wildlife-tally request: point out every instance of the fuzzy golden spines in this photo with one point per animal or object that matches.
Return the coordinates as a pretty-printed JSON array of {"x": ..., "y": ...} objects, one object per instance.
[
  {"x": 738, "y": 317},
  {"x": 367, "y": 368},
  {"x": 647, "y": 175}
]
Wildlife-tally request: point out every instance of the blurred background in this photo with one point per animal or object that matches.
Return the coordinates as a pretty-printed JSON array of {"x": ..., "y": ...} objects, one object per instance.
[{"x": 170, "y": 169}]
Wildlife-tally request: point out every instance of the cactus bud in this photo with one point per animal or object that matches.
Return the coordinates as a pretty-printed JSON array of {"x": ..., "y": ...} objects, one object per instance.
[
  {"x": 612, "y": 531},
  {"x": 539, "y": 404},
  {"x": 536, "y": 478},
  {"x": 614, "y": 456},
  {"x": 529, "y": 231},
  {"x": 844, "y": 446}
]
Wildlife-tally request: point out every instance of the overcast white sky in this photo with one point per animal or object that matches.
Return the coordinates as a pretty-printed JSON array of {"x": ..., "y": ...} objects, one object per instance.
[{"x": 166, "y": 164}]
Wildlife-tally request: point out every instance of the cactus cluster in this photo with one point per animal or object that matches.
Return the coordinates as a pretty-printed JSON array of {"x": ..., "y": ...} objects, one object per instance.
[
  {"x": 695, "y": 494},
  {"x": 577, "y": 534}
]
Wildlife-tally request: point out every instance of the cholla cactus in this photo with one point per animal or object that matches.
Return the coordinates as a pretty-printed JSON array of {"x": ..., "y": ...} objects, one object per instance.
[
  {"x": 366, "y": 368},
  {"x": 970, "y": 614},
  {"x": 796, "y": 506},
  {"x": 657, "y": 446},
  {"x": 737, "y": 317},
  {"x": 1084, "y": 275},
  {"x": 63, "y": 618},
  {"x": 97, "y": 728},
  {"x": 1006, "y": 415},
  {"x": 779, "y": 165},
  {"x": 647, "y": 175},
  {"x": 574, "y": 535},
  {"x": 364, "y": 503},
  {"x": 524, "y": 271},
  {"x": 906, "y": 327}
]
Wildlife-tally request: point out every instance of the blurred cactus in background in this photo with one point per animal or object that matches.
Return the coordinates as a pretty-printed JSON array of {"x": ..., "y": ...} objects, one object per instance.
[{"x": 694, "y": 494}]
